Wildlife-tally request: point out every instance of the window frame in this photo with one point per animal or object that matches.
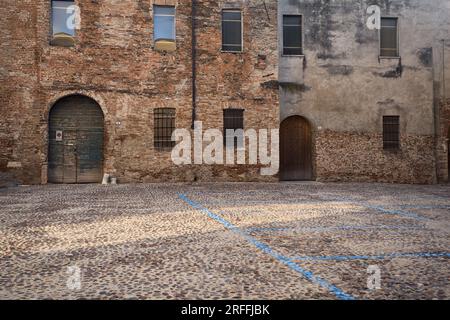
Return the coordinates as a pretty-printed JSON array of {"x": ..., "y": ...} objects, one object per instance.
[
  {"x": 222, "y": 33},
  {"x": 391, "y": 145},
  {"x": 398, "y": 38},
  {"x": 302, "y": 38},
  {"x": 236, "y": 143},
  {"x": 52, "y": 34},
  {"x": 174, "y": 22},
  {"x": 159, "y": 141}
]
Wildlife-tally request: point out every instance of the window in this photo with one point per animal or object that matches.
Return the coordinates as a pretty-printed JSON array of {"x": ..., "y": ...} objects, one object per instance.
[
  {"x": 391, "y": 132},
  {"x": 164, "y": 126},
  {"x": 233, "y": 119},
  {"x": 164, "y": 23},
  {"x": 389, "y": 37},
  {"x": 63, "y": 18},
  {"x": 292, "y": 35},
  {"x": 232, "y": 30}
]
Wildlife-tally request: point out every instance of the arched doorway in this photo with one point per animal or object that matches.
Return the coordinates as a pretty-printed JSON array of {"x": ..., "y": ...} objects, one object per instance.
[
  {"x": 296, "y": 150},
  {"x": 76, "y": 130}
]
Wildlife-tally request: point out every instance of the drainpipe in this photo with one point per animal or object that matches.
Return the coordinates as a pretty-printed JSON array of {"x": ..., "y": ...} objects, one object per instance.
[{"x": 194, "y": 63}]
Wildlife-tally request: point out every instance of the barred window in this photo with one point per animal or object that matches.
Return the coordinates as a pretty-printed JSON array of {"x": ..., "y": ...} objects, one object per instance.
[
  {"x": 389, "y": 37},
  {"x": 164, "y": 125},
  {"x": 233, "y": 119},
  {"x": 63, "y": 17},
  {"x": 391, "y": 132},
  {"x": 231, "y": 30},
  {"x": 292, "y": 35}
]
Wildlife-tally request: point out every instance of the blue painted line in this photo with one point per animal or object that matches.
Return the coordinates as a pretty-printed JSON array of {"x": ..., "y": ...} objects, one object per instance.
[
  {"x": 326, "y": 229},
  {"x": 403, "y": 213},
  {"x": 268, "y": 250},
  {"x": 378, "y": 257}
]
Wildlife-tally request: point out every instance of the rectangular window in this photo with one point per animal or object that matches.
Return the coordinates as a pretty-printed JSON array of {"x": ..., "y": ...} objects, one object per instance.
[
  {"x": 292, "y": 35},
  {"x": 233, "y": 119},
  {"x": 389, "y": 37},
  {"x": 63, "y": 17},
  {"x": 164, "y": 125},
  {"x": 391, "y": 132},
  {"x": 164, "y": 23},
  {"x": 231, "y": 30}
]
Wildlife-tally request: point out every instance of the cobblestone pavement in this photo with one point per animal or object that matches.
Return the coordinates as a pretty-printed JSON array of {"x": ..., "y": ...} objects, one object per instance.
[{"x": 225, "y": 241}]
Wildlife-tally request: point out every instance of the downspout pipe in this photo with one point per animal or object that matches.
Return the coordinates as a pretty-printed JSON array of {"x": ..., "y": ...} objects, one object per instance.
[{"x": 194, "y": 62}]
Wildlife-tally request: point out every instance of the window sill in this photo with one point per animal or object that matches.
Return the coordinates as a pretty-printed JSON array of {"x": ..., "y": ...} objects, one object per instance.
[
  {"x": 293, "y": 55},
  {"x": 388, "y": 57},
  {"x": 392, "y": 151},
  {"x": 233, "y": 52},
  {"x": 63, "y": 40}
]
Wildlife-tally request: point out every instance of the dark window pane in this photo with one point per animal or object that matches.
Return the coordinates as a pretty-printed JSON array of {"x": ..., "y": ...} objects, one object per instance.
[
  {"x": 292, "y": 20},
  {"x": 63, "y": 17},
  {"x": 233, "y": 119},
  {"x": 389, "y": 37},
  {"x": 391, "y": 132},
  {"x": 231, "y": 31},
  {"x": 292, "y": 35},
  {"x": 231, "y": 15},
  {"x": 292, "y": 51},
  {"x": 389, "y": 22}
]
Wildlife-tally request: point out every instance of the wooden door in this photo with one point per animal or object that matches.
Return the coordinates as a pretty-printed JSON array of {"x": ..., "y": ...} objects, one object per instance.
[
  {"x": 75, "y": 141},
  {"x": 296, "y": 150}
]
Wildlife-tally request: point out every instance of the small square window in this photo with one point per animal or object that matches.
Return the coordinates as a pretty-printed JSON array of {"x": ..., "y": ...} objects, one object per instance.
[
  {"x": 231, "y": 30},
  {"x": 389, "y": 37},
  {"x": 292, "y": 35},
  {"x": 391, "y": 132}
]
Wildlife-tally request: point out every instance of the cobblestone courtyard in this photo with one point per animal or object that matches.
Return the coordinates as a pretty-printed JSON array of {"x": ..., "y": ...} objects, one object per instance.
[{"x": 225, "y": 241}]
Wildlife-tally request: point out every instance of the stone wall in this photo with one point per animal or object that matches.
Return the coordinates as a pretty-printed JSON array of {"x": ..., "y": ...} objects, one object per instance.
[{"x": 350, "y": 156}]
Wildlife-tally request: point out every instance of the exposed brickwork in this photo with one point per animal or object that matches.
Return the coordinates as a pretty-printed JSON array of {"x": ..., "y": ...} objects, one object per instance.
[
  {"x": 443, "y": 141},
  {"x": 360, "y": 157},
  {"x": 114, "y": 63}
]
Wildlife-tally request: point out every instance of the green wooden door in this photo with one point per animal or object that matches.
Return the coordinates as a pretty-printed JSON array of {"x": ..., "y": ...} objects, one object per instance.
[{"x": 76, "y": 129}]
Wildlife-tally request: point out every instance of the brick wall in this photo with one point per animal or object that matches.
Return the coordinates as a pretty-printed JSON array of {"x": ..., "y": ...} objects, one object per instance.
[
  {"x": 113, "y": 62},
  {"x": 443, "y": 141}
]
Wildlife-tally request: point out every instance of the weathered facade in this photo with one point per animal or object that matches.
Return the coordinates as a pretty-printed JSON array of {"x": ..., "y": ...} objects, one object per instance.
[
  {"x": 343, "y": 87},
  {"x": 339, "y": 85}
]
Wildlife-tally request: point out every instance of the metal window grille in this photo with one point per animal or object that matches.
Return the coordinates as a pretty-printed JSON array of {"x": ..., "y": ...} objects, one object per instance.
[
  {"x": 164, "y": 125},
  {"x": 391, "y": 132},
  {"x": 292, "y": 35},
  {"x": 389, "y": 37},
  {"x": 233, "y": 119},
  {"x": 232, "y": 30}
]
